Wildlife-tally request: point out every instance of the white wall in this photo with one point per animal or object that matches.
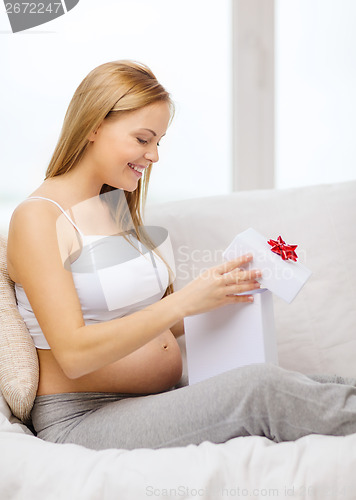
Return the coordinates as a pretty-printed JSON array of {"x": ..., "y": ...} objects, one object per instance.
[
  {"x": 187, "y": 44},
  {"x": 315, "y": 91}
]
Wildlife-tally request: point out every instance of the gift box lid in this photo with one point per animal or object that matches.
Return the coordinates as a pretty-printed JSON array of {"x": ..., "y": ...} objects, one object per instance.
[{"x": 284, "y": 278}]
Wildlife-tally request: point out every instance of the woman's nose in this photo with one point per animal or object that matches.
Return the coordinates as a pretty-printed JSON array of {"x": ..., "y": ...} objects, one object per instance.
[{"x": 152, "y": 154}]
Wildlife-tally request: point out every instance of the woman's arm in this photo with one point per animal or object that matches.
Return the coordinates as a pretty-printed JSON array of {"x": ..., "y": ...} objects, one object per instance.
[
  {"x": 178, "y": 328},
  {"x": 34, "y": 260}
]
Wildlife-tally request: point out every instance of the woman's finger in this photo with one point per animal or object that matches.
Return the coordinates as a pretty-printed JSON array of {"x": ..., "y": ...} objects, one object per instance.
[
  {"x": 239, "y": 275},
  {"x": 246, "y": 286},
  {"x": 233, "y": 299},
  {"x": 250, "y": 275},
  {"x": 230, "y": 265}
]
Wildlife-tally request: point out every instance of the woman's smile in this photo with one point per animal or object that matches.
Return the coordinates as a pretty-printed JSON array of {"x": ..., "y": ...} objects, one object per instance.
[{"x": 137, "y": 169}]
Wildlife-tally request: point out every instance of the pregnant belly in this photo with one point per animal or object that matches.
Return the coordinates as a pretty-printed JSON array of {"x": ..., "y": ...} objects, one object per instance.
[{"x": 155, "y": 367}]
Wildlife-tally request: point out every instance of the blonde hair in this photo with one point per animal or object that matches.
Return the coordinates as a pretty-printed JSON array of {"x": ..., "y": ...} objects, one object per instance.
[{"x": 108, "y": 91}]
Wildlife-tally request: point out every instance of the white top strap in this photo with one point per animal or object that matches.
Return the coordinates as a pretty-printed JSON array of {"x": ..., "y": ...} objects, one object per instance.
[{"x": 60, "y": 208}]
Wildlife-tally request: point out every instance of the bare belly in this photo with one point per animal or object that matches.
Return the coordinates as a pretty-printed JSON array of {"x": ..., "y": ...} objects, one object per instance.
[{"x": 155, "y": 367}]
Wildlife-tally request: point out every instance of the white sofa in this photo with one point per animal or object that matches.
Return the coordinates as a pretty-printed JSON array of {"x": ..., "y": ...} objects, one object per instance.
[{"x": 316, "y": 334}]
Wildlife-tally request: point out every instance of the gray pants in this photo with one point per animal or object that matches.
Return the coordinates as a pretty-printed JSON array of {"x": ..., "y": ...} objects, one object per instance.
[{"x": 258, "y": 400}]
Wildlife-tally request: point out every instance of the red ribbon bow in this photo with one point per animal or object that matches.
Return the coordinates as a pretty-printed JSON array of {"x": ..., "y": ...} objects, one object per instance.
[{"x": 281, "y": 248}]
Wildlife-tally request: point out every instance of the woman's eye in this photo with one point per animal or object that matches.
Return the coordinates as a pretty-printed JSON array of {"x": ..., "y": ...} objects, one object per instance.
[{"x": 143, "y": 141}]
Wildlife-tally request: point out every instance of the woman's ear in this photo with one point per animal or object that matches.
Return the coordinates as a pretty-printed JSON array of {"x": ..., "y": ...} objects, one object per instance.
[{"x": 92, "y": 136}]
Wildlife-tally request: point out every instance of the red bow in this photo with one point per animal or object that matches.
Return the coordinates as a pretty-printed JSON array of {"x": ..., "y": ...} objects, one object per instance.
[{"x": 285, "y": 251}]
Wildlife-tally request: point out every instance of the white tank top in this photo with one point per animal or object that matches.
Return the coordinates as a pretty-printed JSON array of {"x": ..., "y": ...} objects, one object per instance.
[{"x": 113, "y": 277}]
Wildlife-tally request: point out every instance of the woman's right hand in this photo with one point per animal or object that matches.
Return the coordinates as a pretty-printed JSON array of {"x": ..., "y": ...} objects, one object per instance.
[{"x": 218, "y": 286}]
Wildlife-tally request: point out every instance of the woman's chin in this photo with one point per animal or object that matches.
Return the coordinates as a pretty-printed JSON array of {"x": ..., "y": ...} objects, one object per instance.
[
  {"x": 132, "y": 187},
  {"x": 126, "y": 187}
]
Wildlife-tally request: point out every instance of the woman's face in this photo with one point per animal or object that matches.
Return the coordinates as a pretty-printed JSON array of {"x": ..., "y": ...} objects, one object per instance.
[{"x": 122, "y": 148}]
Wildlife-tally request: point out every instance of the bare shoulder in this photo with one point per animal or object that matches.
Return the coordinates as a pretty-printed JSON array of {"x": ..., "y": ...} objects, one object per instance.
[
  {"x": 33, "y": 230},
  {"x": 35, "y": 212},
  {"x": 30, "y": 220}
]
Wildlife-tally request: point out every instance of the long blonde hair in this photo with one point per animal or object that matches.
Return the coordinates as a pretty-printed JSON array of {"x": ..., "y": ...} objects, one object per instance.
[{"x": 107, "y": 92}]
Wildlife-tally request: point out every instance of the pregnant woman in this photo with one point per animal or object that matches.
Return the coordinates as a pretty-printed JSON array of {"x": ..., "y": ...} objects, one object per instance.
[{"x": 97, "y": 298}]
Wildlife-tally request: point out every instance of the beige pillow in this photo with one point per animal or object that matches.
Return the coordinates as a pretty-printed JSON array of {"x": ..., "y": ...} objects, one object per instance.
[{"x": 19, "y": 369}]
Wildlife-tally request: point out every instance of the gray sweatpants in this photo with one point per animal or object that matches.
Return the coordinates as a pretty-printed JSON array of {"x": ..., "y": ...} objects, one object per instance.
[{"x": 262, "y": 400}]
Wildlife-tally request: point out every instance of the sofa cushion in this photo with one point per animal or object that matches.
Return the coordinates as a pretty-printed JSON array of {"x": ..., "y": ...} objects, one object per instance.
[{"x": 19, "y": 369}]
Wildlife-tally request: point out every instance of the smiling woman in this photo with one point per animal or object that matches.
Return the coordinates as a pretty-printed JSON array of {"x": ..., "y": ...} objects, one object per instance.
[
  {"x": 108, "y": 142},
  {"x": 88, "y": 338},
  {"x": 96, "y": 296}
]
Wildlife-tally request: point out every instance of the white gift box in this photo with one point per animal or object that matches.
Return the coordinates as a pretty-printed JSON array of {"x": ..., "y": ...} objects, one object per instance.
[
  {"x": 284, "y": 278},
  {"x": 229, "y": 337},
  {"x": 241, "y": 334}
]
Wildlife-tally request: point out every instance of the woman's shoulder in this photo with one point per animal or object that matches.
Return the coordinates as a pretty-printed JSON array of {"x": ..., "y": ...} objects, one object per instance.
[
  {"x": 41, "y": 207},
  {"x": 36, "y": 216},
  {"x": 34, "y": 229},
  {"x": 33, "y": 213}
]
